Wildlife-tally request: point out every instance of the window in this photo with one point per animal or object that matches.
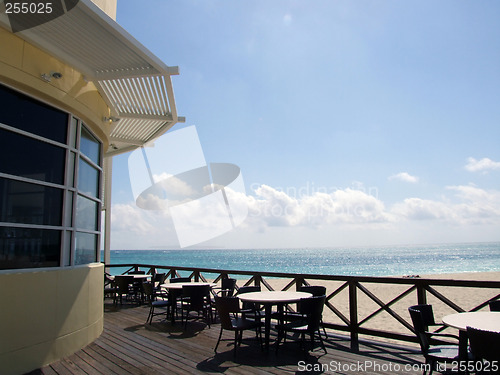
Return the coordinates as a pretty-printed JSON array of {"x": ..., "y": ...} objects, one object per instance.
[{"x": 50, "y": 178}]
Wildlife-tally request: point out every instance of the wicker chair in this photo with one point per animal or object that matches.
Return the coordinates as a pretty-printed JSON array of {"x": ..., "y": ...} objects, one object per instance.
[
  {"x": 155, "y": 303},
  {"x": 311, "y": 310},
  {"x": 422, "y": 318},
  {"x": 485, "y": 347},
  {"x": 232, "y": 319}
]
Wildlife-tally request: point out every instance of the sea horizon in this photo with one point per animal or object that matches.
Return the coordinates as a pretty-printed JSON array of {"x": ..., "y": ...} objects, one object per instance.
[{"x": 388, "y": 260}]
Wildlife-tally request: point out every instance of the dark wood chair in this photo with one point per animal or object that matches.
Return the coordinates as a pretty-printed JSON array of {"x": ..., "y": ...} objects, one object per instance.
[
  {"x": 227, "y": 288},
  {"x": 155, "y": 302},
  {"x": 311, "y": 311},
  {"x": 433, "y": 354},
  {"x": 196, "y": 298},
  {"x": 485, "y": 347},
  {"x": 232, "y": 319},
  {"x": 110, "y": 288},
  {"x": 124, "y": 287}
]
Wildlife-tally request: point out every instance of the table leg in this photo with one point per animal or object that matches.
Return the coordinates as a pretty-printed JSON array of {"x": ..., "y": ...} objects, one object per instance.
[{"x": 267, "y": 327}]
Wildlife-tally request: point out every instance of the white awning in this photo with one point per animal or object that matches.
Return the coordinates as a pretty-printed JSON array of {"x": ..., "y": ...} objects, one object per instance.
[{"x": 135, "y": 84}]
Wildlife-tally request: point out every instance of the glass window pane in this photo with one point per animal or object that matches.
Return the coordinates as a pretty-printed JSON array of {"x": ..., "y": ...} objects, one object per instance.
[
  {"x": 28, "y": 114},
  {"x": 29, "y": 248},
  {"x": 88, "y": 178},
  {"x": 89, "y": 146},
  {"x": 85, "y": 248},
  {"x": 86, "y": 213},
  {"x": 68, "y": 209},
  {"x": 27, "y": 157},
  {"x": 21, "y": 202}
]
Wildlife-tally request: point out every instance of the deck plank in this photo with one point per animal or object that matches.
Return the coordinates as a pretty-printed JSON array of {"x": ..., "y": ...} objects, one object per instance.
[{"x": 130, "y": 347}]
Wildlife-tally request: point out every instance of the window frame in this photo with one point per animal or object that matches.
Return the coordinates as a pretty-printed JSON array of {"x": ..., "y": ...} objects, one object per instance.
[{"x": 72, "y": 157}]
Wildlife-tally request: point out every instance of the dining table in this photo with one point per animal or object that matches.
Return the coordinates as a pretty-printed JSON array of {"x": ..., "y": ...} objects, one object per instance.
[
  {"x": 484, "y": 320},
  {"x": 176, "y": 288},
  {"x": 270, "y": 298}
]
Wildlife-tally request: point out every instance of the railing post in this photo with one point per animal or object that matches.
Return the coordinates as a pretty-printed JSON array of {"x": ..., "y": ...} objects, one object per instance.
[
  {"x": 257, "y": 279},
  {"x": 353, "y": 314},
  {"x": 421, "y": 294}
]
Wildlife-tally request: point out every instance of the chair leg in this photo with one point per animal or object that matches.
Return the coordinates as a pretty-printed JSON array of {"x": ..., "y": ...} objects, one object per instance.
[
  {"x": 150, "y": 316},
  {"x": 218, "y": 341},
  {"x": 321, "y": 341},
  {"x": 235, "y": 342}
]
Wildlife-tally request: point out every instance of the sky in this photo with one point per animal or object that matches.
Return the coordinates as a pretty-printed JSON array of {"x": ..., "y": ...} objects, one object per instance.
[{"x": 353, "y": 123}]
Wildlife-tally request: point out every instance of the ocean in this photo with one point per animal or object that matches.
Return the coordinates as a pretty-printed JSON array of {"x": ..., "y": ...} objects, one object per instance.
[{"x": 355, "y": 261}]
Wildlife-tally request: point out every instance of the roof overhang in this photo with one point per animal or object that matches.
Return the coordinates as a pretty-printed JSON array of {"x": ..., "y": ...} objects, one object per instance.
[{"x": 135, "y": 84}]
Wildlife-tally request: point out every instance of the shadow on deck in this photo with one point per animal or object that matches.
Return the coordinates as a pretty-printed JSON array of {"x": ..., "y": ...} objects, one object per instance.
[{"x": 128, "y": 346}]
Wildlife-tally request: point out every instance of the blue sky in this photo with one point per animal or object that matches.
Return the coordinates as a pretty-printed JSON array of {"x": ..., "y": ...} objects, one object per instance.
[{"x": 354, "y": 123}]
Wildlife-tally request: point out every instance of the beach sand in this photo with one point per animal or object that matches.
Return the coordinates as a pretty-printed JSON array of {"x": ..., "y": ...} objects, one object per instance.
[{"x": 467, "y": 298}]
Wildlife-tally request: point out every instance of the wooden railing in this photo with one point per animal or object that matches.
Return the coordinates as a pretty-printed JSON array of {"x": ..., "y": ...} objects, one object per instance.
[{"x": 355, "y": 302}]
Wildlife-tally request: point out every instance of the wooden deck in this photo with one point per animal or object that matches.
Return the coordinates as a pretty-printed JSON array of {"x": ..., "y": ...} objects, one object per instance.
[{"x": 128, "y": 346}]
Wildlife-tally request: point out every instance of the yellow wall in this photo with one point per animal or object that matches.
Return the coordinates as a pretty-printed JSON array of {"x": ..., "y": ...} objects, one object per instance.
[
  {"x": 21, "y": 66},
  {"x": 48, "y": 314}
]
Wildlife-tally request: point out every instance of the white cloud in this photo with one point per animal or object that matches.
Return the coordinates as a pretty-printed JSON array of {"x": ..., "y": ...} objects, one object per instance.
[
  {"x": 348, "y": 206},
  {"x": 469, "y": 205},
  {"x": 405, "y": 177},
  {"x": 484, "y": 165},
  {"x": 276, "y": 216}
]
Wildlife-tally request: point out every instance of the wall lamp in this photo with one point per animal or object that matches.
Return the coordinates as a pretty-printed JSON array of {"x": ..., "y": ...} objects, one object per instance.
[
  {"x": 48, "y": 76},
  {"x": 111, "y": 119}
]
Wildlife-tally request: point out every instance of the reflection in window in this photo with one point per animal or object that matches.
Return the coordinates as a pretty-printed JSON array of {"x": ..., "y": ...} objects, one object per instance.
[
  {"x": 27, "y": 157},
  {"x": 25, "y": 113},
  {"x": 86, "y": 213},
  {"x": 29, "y": 248},
  {"x": 88, "y": 178},
  {"x": 89, "y": 146},
  {"x": 86, "y": 248},
  {"x": 21, "y": 202}
]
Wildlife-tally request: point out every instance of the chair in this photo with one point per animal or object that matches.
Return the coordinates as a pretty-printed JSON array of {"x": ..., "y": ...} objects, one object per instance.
[
  {"x": 316, "y": 291},
  {"x": 225, "y": 290},
  {"x": 227, "y": 287},
  {"x": 175, "y": 295},
  {"x": 110, "y": 288},
  {"x": 123, "y": 283},
  {"x": 311, "y": 310},
  {"x": 137, "y": 285},
  {"x": 250, "y": 309},
  {"x": 158, "y": 279},
  {"x": 154, "y": 303},
  {"x": 196, "y": 298},
  {"x": 495, "y": 305},
  {"x": 422, "y": 317},
  {"x": 485, "y": 347},
  {"x": 231, "y": 319}
]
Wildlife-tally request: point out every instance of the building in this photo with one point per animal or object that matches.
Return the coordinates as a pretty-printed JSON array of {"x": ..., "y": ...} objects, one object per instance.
[{"x": 75, "y": 90}]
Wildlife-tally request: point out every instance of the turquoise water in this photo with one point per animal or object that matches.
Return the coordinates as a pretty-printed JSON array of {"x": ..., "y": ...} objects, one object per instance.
[{"x": 356, "y": 261}]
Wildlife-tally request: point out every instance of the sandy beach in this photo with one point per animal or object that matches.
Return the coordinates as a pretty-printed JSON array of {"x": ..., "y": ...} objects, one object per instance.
[{"x": 467, "y": 298}]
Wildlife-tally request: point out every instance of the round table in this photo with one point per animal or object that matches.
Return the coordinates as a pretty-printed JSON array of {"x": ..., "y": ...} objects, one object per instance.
[
  {"x": 270, "y": 298},
  {"x": 485, "y": 320}
]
